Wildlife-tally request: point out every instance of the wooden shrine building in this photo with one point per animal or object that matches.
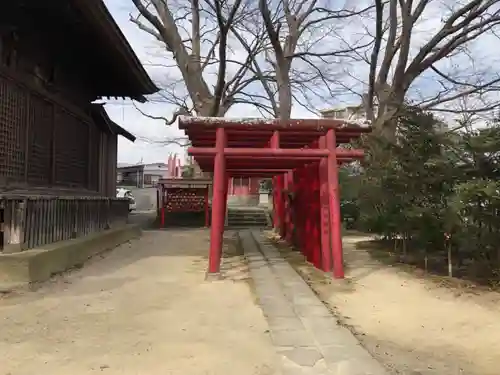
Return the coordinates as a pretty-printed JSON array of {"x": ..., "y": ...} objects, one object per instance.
[{"x": 58, "y": 150}]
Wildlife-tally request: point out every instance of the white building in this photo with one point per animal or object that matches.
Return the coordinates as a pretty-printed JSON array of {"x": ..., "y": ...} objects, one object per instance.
[
  {"x": 141, "y": 175},
  {"x": 345, "y": 113},
  {"x": 358, "y": 113}
]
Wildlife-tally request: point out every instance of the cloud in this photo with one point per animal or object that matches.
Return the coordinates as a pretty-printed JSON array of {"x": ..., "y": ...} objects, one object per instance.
[
  {"x": 352, "y": 75},
  {"x": 124, "y": 112},
  {"x": 154, "y": 59}
]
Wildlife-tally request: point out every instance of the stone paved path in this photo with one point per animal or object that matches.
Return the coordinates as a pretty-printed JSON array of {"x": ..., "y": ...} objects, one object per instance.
[{"x": 304, "y": 332}]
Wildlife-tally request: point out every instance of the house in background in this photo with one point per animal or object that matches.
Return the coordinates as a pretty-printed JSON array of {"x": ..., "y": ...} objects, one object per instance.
[
  {"x": 241, "y": 191},
  {"x": 58, "y": 150},
  {"x": 141, "y": 175},
  {"x": 355, "y": 112},
  {"x": 244, "y": 191}
]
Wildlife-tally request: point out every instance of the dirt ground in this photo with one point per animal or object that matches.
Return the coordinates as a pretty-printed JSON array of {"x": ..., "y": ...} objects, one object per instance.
[
  {"x": 408, "y": 322},
  {"x": 143, "y": 308}
]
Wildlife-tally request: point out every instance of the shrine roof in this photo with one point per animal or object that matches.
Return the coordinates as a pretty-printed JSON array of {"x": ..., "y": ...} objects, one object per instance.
[
  {"x": 256, "y": 132},
  {"x": 248, "y": 134},
  {"x": 124, "y": 73},
  {"x": 185, "y": 182},
  {"x": 82, "y": 39},
  {"x": 102, "y": 119}
]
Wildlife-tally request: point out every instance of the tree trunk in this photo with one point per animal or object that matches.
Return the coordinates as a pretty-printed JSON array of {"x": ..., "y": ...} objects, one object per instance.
[
  {"x": 284, "y": 89},
  {"x": 204, "y": 108},
  {"x": 385, "y": 122},
  {"x": 450, "y": 262},
  {"x": 405, "y": 247}
]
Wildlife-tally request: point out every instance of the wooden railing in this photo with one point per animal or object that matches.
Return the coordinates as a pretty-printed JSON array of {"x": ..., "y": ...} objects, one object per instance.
[{"x": 27, "y": 222}]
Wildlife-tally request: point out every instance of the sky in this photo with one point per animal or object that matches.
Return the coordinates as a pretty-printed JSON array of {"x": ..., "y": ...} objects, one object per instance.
[
  {"x": 125, "y": 114},
  {"x": 150, "y": 52}
]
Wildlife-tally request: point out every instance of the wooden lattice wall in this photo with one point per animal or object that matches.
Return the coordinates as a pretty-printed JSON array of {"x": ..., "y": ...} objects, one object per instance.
[{"x": 44, "y": 143}]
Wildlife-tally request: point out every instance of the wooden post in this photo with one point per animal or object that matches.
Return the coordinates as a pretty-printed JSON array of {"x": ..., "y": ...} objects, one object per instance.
[
  {"x": 334, "y": 206},
  {"x": 3, "y": 226},
  {"x": 207, "y": 210},
  {"x": 27, "y": 137},
  {"x": 219, "y": 188},
  {"x": 225, "y": 202},
  {"x": 299, "y": 207},
  {"x": 308, "y": 214},
  {"x": 53, "y": 146},
  {"x": 285, "y": 218},
  {"x": 164, "y": 197},
  {"x": 289, "y": 217},
  {"x": 14, "y": 226},
  {"x": 76, "y": 218},
  {"x": 89, "y": 156},
  {"x": 316, "y": 212},
  {"x": 162, "y": 217},
  {"x": 158, "y": 200},
  {"x": 107, "y": 208},
  {"x": 275, "y": 143},
  {"x": 280, "y": 182},
  {"x": 326, "y": 250}
]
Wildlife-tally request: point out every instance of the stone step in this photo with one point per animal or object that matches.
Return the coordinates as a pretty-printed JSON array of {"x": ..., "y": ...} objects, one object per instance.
[
  {"x": 244, "y": 223},
  {"x": 249, "y": 212},
  {"x": 247, "y": 217},
  {"x": 258, "y": 222}
]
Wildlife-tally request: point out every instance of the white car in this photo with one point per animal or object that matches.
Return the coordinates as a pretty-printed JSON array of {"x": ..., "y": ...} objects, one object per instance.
[{"x": 125, "y": 193}]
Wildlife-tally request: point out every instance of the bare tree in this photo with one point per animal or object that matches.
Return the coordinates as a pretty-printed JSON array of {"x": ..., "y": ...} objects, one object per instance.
[
  {"x": 166, "y": 141},
  {"x": 398, "y": 59},
  {"x": 306, "y": 50},
  {"x": 195, "y": 33}
]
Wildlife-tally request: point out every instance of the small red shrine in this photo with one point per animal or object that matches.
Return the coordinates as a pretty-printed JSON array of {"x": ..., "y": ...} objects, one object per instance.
[
  {"x": 244, "y": 188},
  {"x": 302, "y": 157}
]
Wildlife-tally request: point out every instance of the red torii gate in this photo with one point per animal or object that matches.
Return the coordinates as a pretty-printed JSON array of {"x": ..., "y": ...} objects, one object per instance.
[{"x": 298, "y": 154}]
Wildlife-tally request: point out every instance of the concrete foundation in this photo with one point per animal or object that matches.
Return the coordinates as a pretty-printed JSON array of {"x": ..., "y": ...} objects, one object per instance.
[{"x": 40, "y": 264}]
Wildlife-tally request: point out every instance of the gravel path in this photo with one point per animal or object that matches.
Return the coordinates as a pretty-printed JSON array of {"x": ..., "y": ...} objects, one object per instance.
[{"x": 143, "y": 308}]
